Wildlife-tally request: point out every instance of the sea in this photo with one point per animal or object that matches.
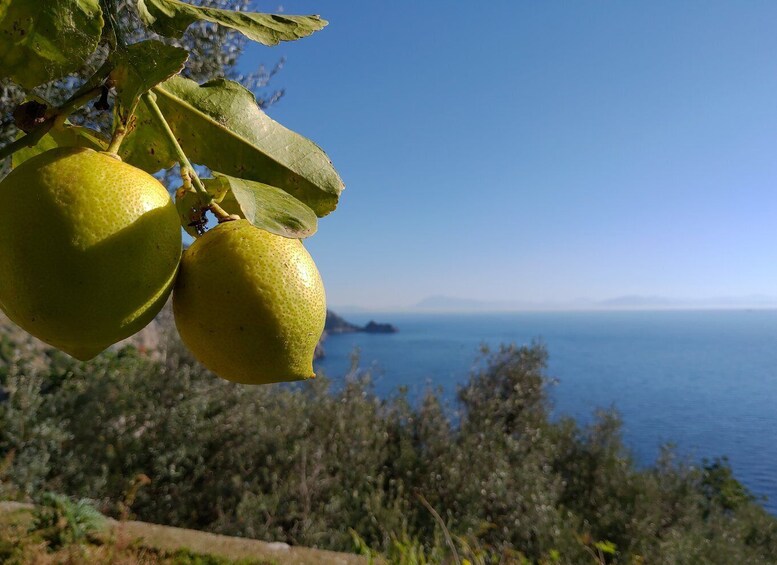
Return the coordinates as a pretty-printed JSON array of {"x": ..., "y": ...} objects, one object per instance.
[{"x": 702, "y": 381}]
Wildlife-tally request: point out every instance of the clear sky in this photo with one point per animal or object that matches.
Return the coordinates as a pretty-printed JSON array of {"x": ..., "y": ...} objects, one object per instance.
[{"x": 540, "y": 150}]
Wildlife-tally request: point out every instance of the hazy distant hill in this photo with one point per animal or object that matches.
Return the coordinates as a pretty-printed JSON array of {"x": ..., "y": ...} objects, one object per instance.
[
  {"x": 637, "y": 301},
  {"x": 450, "y": 303},
  {"x": 441, "y": 303}
]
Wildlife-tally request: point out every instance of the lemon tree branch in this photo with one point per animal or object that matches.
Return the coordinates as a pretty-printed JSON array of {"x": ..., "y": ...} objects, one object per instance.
[
  {"x": 90, "y": 89},
  {"x": 111, "y": 10},
  {"x": 58, "y": 115}
]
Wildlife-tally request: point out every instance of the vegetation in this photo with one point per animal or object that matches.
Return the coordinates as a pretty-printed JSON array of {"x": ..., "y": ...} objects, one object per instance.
[
  {"x": 153, "y": 434},
  {"x": 61, "y": 522},
  {"x": 213, "y": 51},
  {"x": 63, "y": 532}
]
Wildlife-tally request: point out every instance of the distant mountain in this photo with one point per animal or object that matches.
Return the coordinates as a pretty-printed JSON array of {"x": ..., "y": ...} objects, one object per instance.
[
  {"x": 644, "y": 302},
  {"x": 441, "y": 303},
  {"x": 637, "y": 301},
  {"x": 449, "y": 303},
  {"x": 349, "y": 309}
]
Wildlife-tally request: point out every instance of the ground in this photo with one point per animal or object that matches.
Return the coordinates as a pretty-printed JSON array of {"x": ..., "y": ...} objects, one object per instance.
[{"x": 129, "y": 543}]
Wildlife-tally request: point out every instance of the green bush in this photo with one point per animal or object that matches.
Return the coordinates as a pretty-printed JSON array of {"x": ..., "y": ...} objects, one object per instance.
[
  {"x": 304, "y": 464},
  {"x": 61, "y": 522}
]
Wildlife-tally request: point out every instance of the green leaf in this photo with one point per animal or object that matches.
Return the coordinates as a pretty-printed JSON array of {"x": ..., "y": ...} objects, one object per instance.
[
  {"x": 65, "y": 135},
  {"x": 606, "y": 547},
  {"x": 42, "y": 40},
  {"x": 143, "y": 65},
  {"x": 146, "y": 146},
  {"x": 265, "y": 206},
  {"x": 219, "y": 125},
  {"x": 171, "y": 18}
]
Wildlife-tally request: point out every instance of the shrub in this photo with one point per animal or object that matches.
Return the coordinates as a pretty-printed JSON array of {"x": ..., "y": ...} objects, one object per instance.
[
  {"x": 303, "y": 464},
  {"x": 61, "y": 522}
]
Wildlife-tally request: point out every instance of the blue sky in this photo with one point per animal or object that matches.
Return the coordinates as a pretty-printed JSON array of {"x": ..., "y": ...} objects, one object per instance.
[{"x": 540, "y": 151}]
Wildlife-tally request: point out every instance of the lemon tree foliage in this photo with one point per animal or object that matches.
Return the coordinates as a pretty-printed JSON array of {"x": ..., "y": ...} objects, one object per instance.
[
  {"x": 263, "y": 205},
  {"x": 42, "y": 41},
  {"x": 213, "y": 51},
  {"x": 145, "y": 145},
  {"x": 142, "y": 66},
  {"x": 220, "y": 125},
  {"x": 91, "y": 243},
  {"x": 171, "y": 18}
]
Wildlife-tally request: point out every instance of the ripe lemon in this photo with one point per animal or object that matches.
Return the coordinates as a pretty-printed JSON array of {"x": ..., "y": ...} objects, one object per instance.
[
  {"x": 249, "y": 304},
  {"x": 89, "y": 248}
]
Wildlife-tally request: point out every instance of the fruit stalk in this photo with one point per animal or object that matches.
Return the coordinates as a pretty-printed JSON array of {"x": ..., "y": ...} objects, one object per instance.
[
  {"x": 188, "y": 174},
  {"x": 118, "y": 136}
]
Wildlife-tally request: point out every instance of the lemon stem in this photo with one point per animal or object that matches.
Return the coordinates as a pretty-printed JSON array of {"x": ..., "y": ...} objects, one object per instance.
[
  {"x": 221, "y": 214},
  {"x": 118, "y": 136},
  {"x": 188, "y": 174}
]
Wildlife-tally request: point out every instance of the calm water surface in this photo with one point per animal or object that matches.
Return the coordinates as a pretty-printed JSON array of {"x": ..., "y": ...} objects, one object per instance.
[{"x": 703, "y": 380}]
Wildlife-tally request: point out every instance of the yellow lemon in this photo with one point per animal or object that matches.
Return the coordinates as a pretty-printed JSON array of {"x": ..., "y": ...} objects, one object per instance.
[
  {"x": 249, "y": 304},
  {"x": 89, "y": 248}
]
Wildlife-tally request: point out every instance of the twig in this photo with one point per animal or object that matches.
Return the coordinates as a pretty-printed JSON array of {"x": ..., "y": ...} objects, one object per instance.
[
  {"x": 56, "y": 117},
  {"x": 91, "y": 88},
  {"x": 438, "y": 518}
]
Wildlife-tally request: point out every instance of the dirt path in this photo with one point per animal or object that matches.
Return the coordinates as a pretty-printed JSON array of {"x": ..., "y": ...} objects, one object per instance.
[{"x": 167, "y": 538}]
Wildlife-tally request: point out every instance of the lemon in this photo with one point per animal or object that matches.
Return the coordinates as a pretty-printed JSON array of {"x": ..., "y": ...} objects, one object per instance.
[
  {"x": 249, "y": 304},
  {"x": 89, "y": 248}
]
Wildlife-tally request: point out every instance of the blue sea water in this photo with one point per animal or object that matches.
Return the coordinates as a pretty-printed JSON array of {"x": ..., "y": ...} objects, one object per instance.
[{"x": 705, "y": 381}]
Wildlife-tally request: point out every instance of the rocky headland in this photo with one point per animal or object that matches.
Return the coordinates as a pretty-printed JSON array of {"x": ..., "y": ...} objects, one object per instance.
[{"x": 336, "y": 324}]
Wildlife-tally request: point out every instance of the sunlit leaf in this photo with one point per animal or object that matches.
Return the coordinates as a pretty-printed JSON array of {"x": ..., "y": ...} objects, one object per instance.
[
  {"x": 65, "y": 135},
  {"x": 146, "y": 146},
  {"x": 219, "y": 125},
  {"x": 42, "y": 40},
  {"x": 171, "y": 18},
  {"x": 265, "y": 206},
  {"x": 606, "y": 547},
  {"x": 140, "y": 66}
]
